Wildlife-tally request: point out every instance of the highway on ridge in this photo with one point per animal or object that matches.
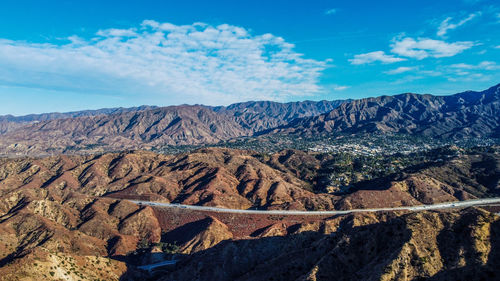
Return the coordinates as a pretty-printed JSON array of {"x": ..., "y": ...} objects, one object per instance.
[
  {"x": 447, "y": 205},
  {"x": 438, "y": 206}
]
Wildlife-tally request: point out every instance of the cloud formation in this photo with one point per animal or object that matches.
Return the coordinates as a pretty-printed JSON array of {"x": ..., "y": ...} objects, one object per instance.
[
  {"x": 446, "y": 25},
  {"x": 424, "y": 47},
  {"x": 400, "y": 70},
  {"x": 340, "y": 87},
  {"x": 484, "y": 65},
  {"x": 177, "y": 63},
  {"x": 420, "y": 48},
  {"x": 374, "y": 57}
]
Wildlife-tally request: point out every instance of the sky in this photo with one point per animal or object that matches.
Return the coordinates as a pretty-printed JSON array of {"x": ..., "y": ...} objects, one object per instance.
[{"x": 59, "y": 56}]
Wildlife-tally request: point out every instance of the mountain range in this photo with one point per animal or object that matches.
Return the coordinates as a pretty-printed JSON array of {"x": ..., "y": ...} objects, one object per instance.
[
  {"x": 467, "y": 114},
  {"x": 146, "y": 127},
  {"x": 68, "y": 216}
]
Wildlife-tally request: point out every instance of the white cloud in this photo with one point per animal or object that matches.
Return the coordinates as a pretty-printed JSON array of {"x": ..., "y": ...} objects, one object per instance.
[
  {"x": 485, "y": 65},
  {"x": 462, "y": 65},
  {"x": 197, "y": 63},
  {"x": 446, "y": 25},
  {"x": 430, "y": 73},
  {"x": 399, "y": 70},
  {"x": 469, "y": 77},
  {"x": 471, "y": 72},
  {"x": 497, "y": 47},
  {"x": 340, "y": 87},
  {"x": 331, "y": 12},
  {"x": 424, "y": 47},
  {"x": 373, "y": 57}
]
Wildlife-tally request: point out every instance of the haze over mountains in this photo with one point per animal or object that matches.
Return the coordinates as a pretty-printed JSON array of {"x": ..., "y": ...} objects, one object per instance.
[{"x": 467, "y": 114}]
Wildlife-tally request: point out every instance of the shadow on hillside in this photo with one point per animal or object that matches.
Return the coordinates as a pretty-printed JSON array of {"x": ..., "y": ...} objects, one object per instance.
[
  {"x": 145, "y": 257},
  {"x": 383, "y": 183},
  {"x": 342, "y": 254},
  {"x": 177, "y": 236},
  {"x": 352, "y": 253},
  {"x": 456, "y": 252},
  {"x": 480, "y": 179},
  {"x": 186, "y": 232},
  {"x": 37, "y": 237}
]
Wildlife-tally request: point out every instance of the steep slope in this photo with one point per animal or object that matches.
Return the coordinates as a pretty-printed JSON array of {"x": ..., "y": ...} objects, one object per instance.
[
  {"x": 241, "y": 179},
  {"x": 46, "y": 238},
  {"x": 145, "y": 127},
  {"x": 428, "y": 245},
  {"x": 56, "y": 221},
  {"x": 10, "y": 122},
  {"x": 462, "y": 178},
  {"x": 468, "y": 114},
  {"x": 198, "y": 235},
  {"x": 262, "y": 115},
  {"x": 212, "y": 177}
]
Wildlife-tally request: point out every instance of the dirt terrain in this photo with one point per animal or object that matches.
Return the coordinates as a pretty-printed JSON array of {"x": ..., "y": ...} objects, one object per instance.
[{"x": 59, "y": 220}]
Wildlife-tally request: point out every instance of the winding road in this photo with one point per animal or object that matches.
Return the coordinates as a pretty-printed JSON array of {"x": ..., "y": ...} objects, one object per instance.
[{"x": 447, "y": 205}]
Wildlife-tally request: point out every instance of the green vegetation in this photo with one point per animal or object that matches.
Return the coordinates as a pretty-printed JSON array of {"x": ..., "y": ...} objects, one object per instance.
[
  {"x": 340, "y": 171},
  {"x": 369, "y": 144},
  {"x": 168, "y": 248},
  {"x": 347, "y": 161},
  {"x": 143, "y": 244}
]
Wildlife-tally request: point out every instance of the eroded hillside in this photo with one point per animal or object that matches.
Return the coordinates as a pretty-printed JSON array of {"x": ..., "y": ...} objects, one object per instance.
[
  {"x": 64, "y": 217},
  {"x": 243, "y": 179}
]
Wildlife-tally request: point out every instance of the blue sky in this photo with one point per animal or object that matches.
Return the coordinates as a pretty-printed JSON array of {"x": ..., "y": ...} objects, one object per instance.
[{"x": 72, "y": 55}]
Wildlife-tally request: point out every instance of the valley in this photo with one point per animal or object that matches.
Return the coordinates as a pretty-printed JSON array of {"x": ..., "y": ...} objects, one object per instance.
[
  {"x": 61, "y": 212},
  {"x": 249, "y": 140},
  {"x": 255, "y": 191}
]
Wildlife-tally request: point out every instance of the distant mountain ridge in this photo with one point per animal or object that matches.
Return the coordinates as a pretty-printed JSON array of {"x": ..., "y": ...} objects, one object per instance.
[
  {"x": 72, "y": 114},
  {"x": 463, "y": 115},
  {"x": 146, "y": 127},
  {"x": 467, "y": 114},
  {"x": 250, "y": 114},
  {"x": 10, "y": 122}
]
